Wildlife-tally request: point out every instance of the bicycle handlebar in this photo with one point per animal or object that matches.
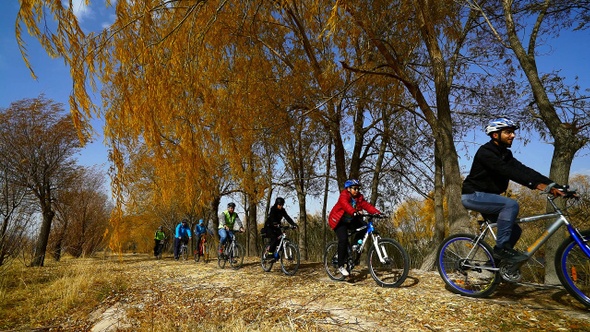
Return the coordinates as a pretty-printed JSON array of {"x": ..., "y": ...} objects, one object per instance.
[
  {"x": 374, "y": 216},
  {"x": 564, "y": 189}
]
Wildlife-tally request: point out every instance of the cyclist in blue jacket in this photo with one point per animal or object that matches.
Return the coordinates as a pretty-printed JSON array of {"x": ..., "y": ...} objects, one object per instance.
[{"x": 183, "y": 235}]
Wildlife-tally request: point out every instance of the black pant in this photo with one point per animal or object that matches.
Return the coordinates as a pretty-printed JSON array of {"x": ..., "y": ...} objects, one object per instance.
[
  {"x": 177, "y": 243},
  {"x": 273, "y": 234},
  {"x": 342, "y": 234},
  {"x": 158, "y": 246}
]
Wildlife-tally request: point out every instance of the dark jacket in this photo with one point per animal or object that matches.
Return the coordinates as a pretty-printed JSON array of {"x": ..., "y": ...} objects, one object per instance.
[
  {"x": 494, "y": 166},
  {"x": 276, "y": 215}
]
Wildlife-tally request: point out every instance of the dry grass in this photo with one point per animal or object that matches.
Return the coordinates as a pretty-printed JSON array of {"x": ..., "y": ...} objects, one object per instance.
[{"x": 138, "y": 293}]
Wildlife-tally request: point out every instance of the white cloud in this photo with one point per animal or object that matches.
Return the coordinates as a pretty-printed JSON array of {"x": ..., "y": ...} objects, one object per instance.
[{"x": 81, "y": 10}]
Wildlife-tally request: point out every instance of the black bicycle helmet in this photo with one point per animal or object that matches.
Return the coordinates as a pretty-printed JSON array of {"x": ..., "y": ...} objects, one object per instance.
[
  {"x": 280, "y": 201},
  {"x": 231, "y": 205}
]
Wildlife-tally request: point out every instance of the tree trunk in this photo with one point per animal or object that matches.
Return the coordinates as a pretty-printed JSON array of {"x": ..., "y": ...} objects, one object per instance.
[
  {"x": 41, "y": 247},
  {"x": 302, "y": 226},
  {"x": 252, "y": 229},
  {"x": 439, "y": 217}
]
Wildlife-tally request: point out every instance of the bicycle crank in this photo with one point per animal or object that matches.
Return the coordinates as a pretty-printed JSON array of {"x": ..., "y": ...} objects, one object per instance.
[{"x": 510, "y": 273}]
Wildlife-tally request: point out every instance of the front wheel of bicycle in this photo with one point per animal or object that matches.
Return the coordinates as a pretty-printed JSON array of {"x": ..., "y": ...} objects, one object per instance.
[
  {"x": 331, "y": 261},
  {"x": 466, "y": 266},
  {"x": 573, "y": 268},
  {"x": 236, "y": 256},
  {"x": 290, "y": 259},
  {"x": 221, "y": 259},
  {"x": 391, "y": 270},
  {"x": 266, "y": 263},
  {"x": 184, "y": 254}
]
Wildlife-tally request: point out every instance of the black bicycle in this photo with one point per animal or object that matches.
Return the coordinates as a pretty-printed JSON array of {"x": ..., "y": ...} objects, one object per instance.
[
  {"x": 233, "y": 252},
  {"x": 466, "y": 264},
  {"x": 286, "y": 252},
  {"x": 388, "y": 262}
]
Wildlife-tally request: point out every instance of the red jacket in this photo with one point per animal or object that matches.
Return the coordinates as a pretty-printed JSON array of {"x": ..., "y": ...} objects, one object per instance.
[{"x": 344, "y": 205}]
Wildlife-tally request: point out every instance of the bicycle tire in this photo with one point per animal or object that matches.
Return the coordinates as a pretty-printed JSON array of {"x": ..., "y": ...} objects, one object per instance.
[
  {"x": 197, "y": 256},
  {"x": 266, "y": 263},
  {"x": 573, "y": 268},
  {"x": 221, "y": 259},
  {"x": 460, "y": 273},
  {"x": 207, "y": 252},
  {"x": 290, "y": 258},
  {"x": 184, "y": 253},
  {"x": 331, "y": 261},
  {"x": 236, "y": 256},
  {"x": 394, "y": 271}
]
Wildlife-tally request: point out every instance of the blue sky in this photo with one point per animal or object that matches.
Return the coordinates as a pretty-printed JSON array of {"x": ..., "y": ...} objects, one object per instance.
[{"x": 570, "y": 54}]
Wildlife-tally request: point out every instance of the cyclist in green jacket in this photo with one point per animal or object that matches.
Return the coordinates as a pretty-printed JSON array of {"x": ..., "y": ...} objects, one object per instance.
[
  {"x": 159, "y": 238},
  {"x": 227, "y": 221}
]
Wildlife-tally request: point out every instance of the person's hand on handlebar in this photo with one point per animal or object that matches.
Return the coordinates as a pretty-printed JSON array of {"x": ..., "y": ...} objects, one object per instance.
[{"x": 553, "y": 188}]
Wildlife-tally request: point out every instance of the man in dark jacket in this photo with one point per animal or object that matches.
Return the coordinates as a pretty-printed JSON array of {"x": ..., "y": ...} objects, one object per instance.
[
  {"x": 273, "y": 224},
  {"x": 493, "y": 167}
]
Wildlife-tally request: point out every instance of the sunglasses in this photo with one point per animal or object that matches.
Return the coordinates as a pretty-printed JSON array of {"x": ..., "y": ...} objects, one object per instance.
[{"x": 355, "y": 188}]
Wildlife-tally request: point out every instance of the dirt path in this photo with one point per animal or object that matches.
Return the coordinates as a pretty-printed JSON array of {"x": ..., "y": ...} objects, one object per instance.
[{"x": 167, "y": 294}]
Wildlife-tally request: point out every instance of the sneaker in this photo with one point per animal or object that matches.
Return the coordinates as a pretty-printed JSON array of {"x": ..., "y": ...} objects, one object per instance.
[
  {"x": 269, "y": 255},
  {"x": 343, "y": 271},
  {"x": 509, "y": 255}
]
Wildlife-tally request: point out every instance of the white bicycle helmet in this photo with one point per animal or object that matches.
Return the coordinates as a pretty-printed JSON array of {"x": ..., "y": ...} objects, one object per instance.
[{"x": 499, "y": 124}]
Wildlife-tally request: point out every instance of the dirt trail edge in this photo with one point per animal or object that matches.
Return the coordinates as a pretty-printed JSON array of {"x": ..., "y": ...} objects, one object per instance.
[{"x": 165, "y": 294}]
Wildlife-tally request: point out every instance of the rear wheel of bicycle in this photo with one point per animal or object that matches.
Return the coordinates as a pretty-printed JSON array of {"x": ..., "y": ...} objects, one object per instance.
[
  {"x": 573, "y": 268},
  {"x": 331, "y": 261},
  {"x": 290, "y": 259},
  {"x": 236, "y": 257},
  {"x": 461, "y": 264},
  {"x": 197, "y": 255},
  {"x": 206, "y": 251},
  {"x": 266, "y": 263},
  {"x": 393, "y": 270}
]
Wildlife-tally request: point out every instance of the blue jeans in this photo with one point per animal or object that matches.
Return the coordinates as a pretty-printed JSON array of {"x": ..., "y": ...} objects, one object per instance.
[
  {"x": 223, "y": 235},
  {"x": 497, "y": 208}
]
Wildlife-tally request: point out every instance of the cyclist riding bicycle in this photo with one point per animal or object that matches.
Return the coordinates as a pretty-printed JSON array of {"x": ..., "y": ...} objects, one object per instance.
[
  {"x": 200, "y": 230},
  {"x": 345, "y": 216},
  {"x": 159, "y": 238},
  {"x": 227, "y": 221},
  {"x": 273, "y": 225},
  {"x": 493, "y": 167},
  {"x": 183, "y": 235}
]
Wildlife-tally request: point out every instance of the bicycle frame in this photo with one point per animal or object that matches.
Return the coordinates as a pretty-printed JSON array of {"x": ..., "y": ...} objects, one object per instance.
[
  {"x": 374, "y": 237},
  {"x": 560, "y": 220}
]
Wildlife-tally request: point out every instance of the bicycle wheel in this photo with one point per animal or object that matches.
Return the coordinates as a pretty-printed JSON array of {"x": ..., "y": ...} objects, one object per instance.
[
  {"x": 236, "y": 256},
  {"x": 394, "y": 269},
  {"x": 331, "y": 261},
  {"x": 461, "y": 264},
  {"x": 206, "y": 251},
  {"x": 221, "y": 259},
  {"x": 197, "y": 255},
  {"x": 573, "y": 268},
  {"x": 184, "y": 253},
  {"x": 266, "y": 263},
  {"x": 290, "y": 258}
]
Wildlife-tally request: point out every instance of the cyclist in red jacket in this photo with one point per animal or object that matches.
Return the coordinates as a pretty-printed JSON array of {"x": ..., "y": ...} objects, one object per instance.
[{"x": 345, "y": 216}]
